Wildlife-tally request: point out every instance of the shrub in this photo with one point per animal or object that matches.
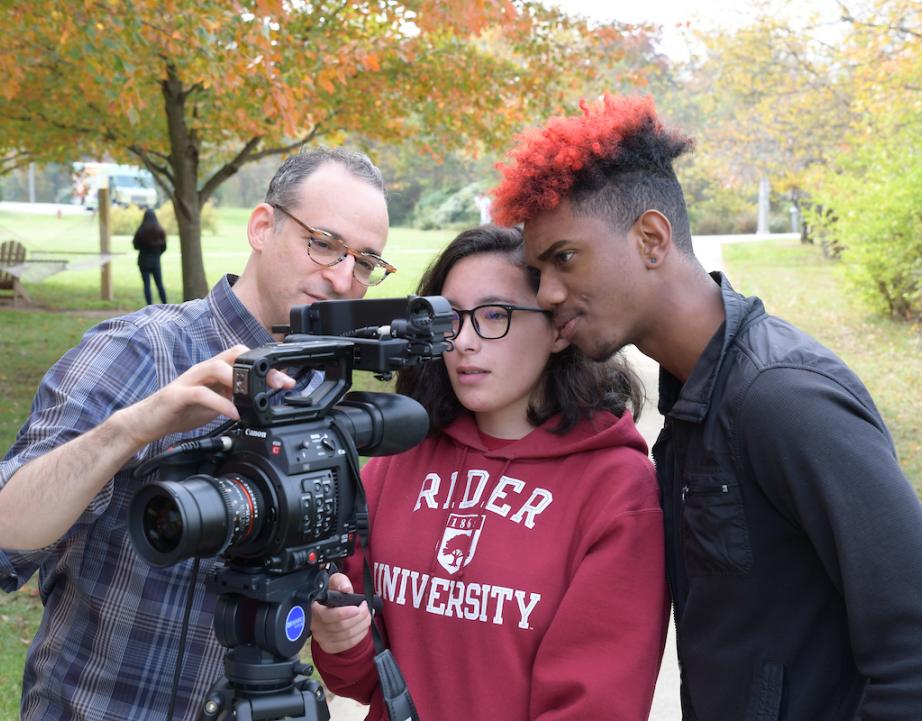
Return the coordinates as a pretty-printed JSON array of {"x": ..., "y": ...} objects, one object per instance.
[
  {"x": 725, "y": 212},
  {"x": 779, "y": 219},
  {"x": 876, "y": 196},
  {"x": 448, "y": 208},
  {"x": 125, "y": 221},
  {"x": 167, "y": 218},
  {"x": 426, "y": 208},
  {"x": 402, "y": 198}
]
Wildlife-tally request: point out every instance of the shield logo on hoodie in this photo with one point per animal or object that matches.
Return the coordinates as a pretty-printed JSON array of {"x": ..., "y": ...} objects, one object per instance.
[{"x": 459, "y": 541}]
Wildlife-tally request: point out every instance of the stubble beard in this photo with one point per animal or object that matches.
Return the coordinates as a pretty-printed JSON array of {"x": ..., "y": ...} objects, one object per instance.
[{"x": 605, "y": 351}]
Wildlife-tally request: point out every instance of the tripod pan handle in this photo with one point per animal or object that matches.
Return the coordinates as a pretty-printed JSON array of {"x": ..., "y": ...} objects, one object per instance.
[{"x": 336, "y": 599}]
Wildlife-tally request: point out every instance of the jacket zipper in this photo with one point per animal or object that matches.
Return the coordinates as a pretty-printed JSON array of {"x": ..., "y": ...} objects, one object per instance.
[{"x": 724, "y": 488}]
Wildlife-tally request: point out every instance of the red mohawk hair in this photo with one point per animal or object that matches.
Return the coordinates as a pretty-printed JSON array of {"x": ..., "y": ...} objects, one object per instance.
[{"x": 548, "y": 159}]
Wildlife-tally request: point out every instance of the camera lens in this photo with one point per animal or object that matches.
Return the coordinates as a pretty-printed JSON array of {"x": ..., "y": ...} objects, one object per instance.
[
  {"x": 243, "y": 506},
  {"x": 202, "y": 516},
  {"x": 162, "y": 524}
]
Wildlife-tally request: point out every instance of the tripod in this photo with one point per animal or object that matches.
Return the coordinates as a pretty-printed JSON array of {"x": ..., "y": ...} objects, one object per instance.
[{"x": 264, "y": 619}]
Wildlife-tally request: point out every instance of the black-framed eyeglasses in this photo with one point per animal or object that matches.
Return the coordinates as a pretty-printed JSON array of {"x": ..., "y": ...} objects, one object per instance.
[
  {"x": 490, "y": 321},
  {"x": 328, "y": 249}
]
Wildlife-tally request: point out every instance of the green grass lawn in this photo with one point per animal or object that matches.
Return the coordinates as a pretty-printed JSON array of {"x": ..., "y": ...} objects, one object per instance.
[
  {"x": 794, "y": 280},
  {"x": 226, "y": 251},
  {"x": 19, "y": 617}
]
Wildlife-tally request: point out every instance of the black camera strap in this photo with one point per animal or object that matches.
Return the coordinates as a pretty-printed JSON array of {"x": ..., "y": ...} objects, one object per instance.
[{"x": 397, "y": 699}]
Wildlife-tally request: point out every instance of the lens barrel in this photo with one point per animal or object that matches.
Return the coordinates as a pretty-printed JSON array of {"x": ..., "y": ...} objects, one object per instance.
[{"x": 201, "y": 516}]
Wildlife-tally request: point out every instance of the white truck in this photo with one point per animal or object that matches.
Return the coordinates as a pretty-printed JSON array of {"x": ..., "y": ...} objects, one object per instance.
[{"x": 128, "y": 184}]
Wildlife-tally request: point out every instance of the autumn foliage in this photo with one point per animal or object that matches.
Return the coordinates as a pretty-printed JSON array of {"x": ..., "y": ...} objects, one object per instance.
[{"x": 193, "y": 89}]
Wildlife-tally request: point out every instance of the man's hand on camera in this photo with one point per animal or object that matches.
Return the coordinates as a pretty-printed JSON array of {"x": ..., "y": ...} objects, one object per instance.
[
  {"x": 47, "y": 495},
  {"x": 338, "y": 629},
  {"x": 195, "y": 398}
]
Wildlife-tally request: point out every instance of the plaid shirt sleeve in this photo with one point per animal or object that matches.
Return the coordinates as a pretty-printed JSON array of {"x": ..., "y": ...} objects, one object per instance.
[{"x": 110, "y": 369}]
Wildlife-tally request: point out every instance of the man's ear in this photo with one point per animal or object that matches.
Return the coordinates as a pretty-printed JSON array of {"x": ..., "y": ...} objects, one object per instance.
[
  {"x": 260, "y": 226},
  {"x": 654, "y": 237}
]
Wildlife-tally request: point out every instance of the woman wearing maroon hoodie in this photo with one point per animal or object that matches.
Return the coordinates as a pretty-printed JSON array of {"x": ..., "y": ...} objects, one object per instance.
[{"x": 519, "y": 548}]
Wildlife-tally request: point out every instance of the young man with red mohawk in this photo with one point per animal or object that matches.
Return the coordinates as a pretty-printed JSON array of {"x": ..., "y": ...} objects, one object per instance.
[{"x": 794, "y": 541}]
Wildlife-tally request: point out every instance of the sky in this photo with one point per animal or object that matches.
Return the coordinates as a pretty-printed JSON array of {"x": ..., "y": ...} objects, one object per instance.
[
  {"x": 657, "y": 11},
  {"x": 671, "y": 14}
]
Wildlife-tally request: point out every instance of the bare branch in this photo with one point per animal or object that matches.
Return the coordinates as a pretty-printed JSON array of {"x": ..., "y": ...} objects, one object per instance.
[
  {"x": 288, "y": 148},
  {"x": 247, "y": 155},
  {"x": 901, "y": 28},
  {"x": 157, "y": 154},
  {"x": 13, "y": 160},
  {"x": 228, "y": 169},
  {"x": 161, "y": 173},
  {"x": 155, "y": 27},
  {"x": 192, "y": 89}
]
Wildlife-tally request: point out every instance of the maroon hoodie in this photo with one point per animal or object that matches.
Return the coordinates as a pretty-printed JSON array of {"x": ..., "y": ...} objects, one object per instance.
[{"x": 522, "y": 582}]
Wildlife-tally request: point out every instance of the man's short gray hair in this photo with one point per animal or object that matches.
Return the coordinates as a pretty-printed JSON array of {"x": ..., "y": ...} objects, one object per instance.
[{"x": 284, "y": 184}]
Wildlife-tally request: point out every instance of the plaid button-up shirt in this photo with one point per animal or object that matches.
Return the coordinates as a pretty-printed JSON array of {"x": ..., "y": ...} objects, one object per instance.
[{"x": 108, "y": 641}]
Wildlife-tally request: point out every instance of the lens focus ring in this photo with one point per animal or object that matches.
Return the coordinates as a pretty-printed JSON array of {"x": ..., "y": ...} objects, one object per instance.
[{"x": 243, "y": 513}]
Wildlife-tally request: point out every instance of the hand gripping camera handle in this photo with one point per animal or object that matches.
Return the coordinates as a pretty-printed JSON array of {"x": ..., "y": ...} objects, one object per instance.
[{"x": 337, "y": 599}]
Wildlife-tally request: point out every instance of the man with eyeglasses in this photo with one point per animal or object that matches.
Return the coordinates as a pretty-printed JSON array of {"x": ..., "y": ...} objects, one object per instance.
[{"x": 136, "y": 385}]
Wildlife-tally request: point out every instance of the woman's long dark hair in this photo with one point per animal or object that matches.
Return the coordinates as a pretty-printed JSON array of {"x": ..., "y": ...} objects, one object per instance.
[
  {"x": 574, "y": 385},
  {"x": 150, "y": 233}
]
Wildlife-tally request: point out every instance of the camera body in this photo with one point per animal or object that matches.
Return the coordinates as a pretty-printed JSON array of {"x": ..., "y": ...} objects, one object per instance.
[{"x": 279, "y": 491}]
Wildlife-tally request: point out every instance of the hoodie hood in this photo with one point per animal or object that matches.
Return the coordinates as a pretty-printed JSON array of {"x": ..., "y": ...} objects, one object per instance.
[{"x": 603, "y": 430}]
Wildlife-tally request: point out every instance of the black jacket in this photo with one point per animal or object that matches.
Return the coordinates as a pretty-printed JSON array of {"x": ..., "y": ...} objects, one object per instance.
[
  {"x": 794, "y": 541},
  {"x": 150, "y": 244}
]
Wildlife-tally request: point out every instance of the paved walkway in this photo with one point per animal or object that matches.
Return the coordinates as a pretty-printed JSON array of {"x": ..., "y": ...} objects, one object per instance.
[
  {"x": 666, "y": 706},
  {"x": 10, "y": 206},
  {"x": 666, "y": 698}
]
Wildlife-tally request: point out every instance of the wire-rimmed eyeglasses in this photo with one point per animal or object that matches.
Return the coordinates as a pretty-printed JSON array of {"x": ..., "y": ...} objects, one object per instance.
[
  {"x": 326, "y": 248},
  {"x": 490, "y": 321}
]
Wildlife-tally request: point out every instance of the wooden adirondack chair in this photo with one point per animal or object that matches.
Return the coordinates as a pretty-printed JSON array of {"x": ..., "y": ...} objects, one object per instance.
[{"x": 12, "y": 252}]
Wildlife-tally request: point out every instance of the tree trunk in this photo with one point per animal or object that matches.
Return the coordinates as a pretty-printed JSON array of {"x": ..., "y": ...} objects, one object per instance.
[
  {"x": 194, "y": 283},
  {"x": 184, "y": 158},
  {"x": 764, "y": 196}
]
